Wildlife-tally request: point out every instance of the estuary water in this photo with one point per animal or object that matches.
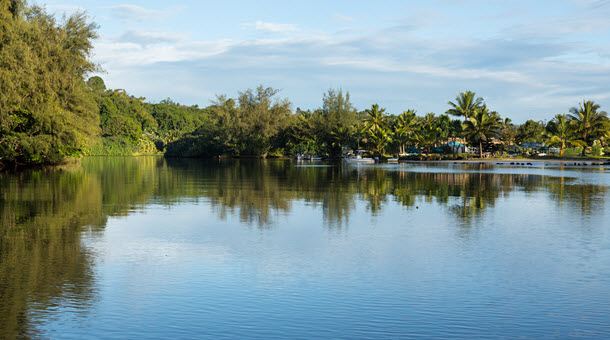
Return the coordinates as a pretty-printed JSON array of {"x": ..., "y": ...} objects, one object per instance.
[{"x": 144, "y": 247}]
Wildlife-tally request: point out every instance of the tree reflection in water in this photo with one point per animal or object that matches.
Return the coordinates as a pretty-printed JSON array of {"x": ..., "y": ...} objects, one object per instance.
[{"x": 44, "y": 264}]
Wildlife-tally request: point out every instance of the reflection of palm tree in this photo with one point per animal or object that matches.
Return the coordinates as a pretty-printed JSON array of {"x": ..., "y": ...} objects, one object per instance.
[
  {"x": 588, "y": 122},
  {"x": 465, "y": 105}
]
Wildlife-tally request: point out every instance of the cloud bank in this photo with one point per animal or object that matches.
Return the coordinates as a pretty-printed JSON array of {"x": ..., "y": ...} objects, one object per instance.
[{"x": 524, "y": 68}]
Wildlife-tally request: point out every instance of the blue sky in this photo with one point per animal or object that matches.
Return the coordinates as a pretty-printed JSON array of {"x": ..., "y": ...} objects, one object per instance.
[{"x": 527, "y": 59}]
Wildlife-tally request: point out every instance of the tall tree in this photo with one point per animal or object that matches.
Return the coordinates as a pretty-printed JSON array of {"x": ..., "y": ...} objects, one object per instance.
[
  {"x": 428, "y": 132},
  {"x": 454, "y": 131},
  {"x": 404, "y": 127},
  {"x": 375, "y": 118},
  {"x": 465, "y": 104},
  {"x": 379, "y": 140},
  {"x": 508, "y": 132},
  {"x": 46, "y": 110},
  {"x": 338, "y": 116},
  {"x": 559, "y": 132},
  {"x": 530, "y": 132},
  {"x": 482, "y": 126},
  {"x": 589, "y": 122}
]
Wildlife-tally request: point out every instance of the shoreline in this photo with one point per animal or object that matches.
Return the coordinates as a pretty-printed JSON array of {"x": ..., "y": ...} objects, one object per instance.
[{"x": 520, "y": 160}]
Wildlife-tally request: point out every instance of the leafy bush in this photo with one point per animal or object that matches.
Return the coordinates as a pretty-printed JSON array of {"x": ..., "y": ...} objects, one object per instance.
[
  {"x": 208, "y": 141},
  {"x": 112, "y": 146}
]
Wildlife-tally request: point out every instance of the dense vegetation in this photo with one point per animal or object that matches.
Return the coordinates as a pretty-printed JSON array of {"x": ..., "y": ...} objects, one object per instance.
[{"x": 50, "y": 112}]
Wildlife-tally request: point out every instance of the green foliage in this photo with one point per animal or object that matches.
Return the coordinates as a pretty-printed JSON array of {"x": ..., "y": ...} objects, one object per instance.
[
  {"x": 465, "y": 104},
  {"x": 560, "y": 132},
  {"x": 207, "y": 141},
  {"x": 112, "y": 146},
  {"x": 596, "y": 149},
  {"x": 530, "y": 132},
  {"x": 174, "y": 120},
  {"x": 250, "y": 126},
  {"x": 246, "y": 129},
  {"x": 375, "y": 118},
  {"x": 481, "y": 126},
  {"x": 589, "y": 123},
  {"x": 379, "y": 140},
  {"x": 404, "y": 127},
  {"x": 429, "y": 132},
  {"x": 338, "y": 116},
  {"x": 46, "y": 110},
  {"x": 508, "y": 132},
  {"x": 96, "y": 84}
]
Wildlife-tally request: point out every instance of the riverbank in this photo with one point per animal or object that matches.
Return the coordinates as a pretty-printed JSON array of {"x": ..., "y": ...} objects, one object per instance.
[{"x": 524, "y": 160}]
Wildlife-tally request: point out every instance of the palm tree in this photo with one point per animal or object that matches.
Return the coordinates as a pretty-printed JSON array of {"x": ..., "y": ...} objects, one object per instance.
[
  {"x": 559, "y": 132},
  {"x": 379, "y": 139},
  {"x": 588, "y": 122},
  {"x": 454, "y": 131},
  {"x": 340, "y": 137},
  {"x": 508, "y": 132},
  {"x": 482, "y": 126},
  {"x": 428, "y": 133},
  {"x": 403, "y": 128},
  {"x": 375, "y": 118},
  {"x": 465, "y": 105}
]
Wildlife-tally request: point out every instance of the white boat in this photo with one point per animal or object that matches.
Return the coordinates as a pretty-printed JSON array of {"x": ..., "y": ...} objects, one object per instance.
[
  {"x": 358, "y": 159},
  {"x": 393, "y": 160}
]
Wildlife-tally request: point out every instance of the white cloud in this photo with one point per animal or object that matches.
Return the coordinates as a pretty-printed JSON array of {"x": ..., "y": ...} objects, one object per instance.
[
  {"x": 518, "y": 72},
  {"x": 270, "y": 27},
  {"x": 146, "y": 38},
  {"x": 113, "y": 53},
  {"x": 137, "y": 13}
]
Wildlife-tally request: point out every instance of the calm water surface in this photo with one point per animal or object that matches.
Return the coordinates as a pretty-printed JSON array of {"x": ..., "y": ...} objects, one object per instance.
[{"x": 153, "y": 248}]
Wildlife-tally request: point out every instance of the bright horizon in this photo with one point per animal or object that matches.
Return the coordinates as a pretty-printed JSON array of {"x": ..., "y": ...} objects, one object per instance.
[{"x": 528, "y": 60}]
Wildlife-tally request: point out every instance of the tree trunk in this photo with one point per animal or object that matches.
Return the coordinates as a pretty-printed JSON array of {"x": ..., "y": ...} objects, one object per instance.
[
  {"x": 584, "y": 148},
  {"x": 480, "y": 149}
]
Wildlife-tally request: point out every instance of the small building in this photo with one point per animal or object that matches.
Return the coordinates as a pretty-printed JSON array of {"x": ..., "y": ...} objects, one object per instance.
[{"x": 454, "y": 147}]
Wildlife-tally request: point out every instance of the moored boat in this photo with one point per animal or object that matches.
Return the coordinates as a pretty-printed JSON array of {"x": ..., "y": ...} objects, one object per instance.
[{"x": 358, "y": 159}]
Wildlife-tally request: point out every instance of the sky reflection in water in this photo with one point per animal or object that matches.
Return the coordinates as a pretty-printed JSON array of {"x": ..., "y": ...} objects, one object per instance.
[{"x": 144, "y": 247}]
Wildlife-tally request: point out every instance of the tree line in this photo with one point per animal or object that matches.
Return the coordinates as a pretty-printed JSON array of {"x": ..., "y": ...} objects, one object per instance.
[
  {"x": 50, "y": 111},
  {"x": 256, "y": 125}
]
